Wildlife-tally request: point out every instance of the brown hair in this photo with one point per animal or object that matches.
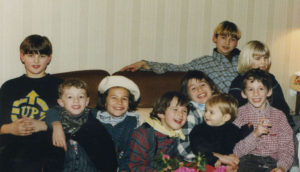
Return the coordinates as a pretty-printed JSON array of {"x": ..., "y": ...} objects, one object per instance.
[
  {"x": 77, "y": 83},
  {"x": 36, "y": 44},
  {"x": 199, "y": 75},
  {"x": 164, "y": 101}
]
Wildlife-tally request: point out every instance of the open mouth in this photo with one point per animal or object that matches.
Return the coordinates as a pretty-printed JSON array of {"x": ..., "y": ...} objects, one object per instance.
[
  {"x": 178, "y": 121},
  {"x": 256, "y": 100},
  {"x": 202, "y": 95}
]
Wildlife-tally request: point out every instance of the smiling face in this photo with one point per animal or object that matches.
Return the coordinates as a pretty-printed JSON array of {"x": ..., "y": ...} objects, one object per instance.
[
  {"x": 214, "y": 117},
  {"x": 74, "y": 100},
  {"x": 35, "y": 64},
  {"x": 117, "y": 101},
  {"x": 260, "y": 62},
  {"x": 175, "y": 115},
  {"x": 225, "y": 43},
  {"x": 199, "y": 90},
  {"x": 256, "y": 93}
]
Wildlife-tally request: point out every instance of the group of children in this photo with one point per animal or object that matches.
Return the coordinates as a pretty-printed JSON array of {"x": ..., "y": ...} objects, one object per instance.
[{"x": 38, "y": 135}]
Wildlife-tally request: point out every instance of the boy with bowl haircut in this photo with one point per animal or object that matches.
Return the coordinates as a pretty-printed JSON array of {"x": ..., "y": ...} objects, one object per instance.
[
  {"x": 23, "y": 105},
  {"x": 221, "y": 67},
  {"x": 90, "y": 147},
  {"x": 270, "y": 146}
]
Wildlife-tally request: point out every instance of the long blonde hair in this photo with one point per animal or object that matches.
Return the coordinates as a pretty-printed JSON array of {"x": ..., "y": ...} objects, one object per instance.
[{"x": 249, "y": 50}]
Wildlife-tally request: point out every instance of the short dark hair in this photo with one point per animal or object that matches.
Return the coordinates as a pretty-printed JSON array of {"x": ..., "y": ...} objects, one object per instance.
[
  {"x": 72, "y": 82},
  {"x": 161, "y": 105},
  {"x": 257, "y": 75},
  {"x": 194, "y": 74},
  {"x": 102, "y": 101},
  {"x": 36, "y": 44}
]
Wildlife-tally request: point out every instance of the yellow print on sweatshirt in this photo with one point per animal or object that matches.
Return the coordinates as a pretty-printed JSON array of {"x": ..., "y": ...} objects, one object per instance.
[{"x": 31, "y": 106}]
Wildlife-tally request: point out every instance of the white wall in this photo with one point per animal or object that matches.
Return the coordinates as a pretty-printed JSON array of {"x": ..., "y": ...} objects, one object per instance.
[{"x": 108, "y": 34}]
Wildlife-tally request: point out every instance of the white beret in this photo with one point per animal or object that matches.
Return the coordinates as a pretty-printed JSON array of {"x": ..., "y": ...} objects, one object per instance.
[{"x": 119, "y": 81}]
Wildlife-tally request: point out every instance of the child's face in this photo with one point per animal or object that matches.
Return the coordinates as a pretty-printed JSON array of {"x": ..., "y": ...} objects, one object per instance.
[
  {"x": 74, "y": 100},
  {"x": 214, "y": 117},
  {"x": 199, "y": 90},
  {"x": 256, "y": 93},
  {"x": 175, "y": 116},
  {"x": 260, "y": 62},
  {"x": 35, "y": 64},
  {"x": 225, "y": 43},
  {"x": 117, "y": 101}
]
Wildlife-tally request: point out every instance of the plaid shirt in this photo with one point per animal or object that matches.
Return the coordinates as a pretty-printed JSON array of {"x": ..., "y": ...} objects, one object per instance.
[
  {"x": 217, "y": 67},
  {"x": 143, "y": 152},
  {"x": 278, "y": 143},
  {"x": 194, "y": 118}
]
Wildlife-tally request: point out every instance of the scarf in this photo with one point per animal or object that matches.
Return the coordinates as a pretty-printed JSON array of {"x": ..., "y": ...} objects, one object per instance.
[
  {"x": 71, "y": 124},
  {"x": 156, "y": 124}
]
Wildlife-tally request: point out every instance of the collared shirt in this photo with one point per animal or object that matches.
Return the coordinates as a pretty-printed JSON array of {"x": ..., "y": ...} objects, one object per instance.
[
  {"x": 278, "y": 143},
  {"x": 217, "y": 67},
  {"x": 106, "y": 118},
  {"x": 194, "y": 118}
]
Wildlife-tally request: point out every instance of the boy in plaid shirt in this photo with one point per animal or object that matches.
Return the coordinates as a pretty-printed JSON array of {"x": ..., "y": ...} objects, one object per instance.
[
  {"x": 270, "y": 147},
  {"x": 160, "y": 133},
  {"x": 221, "y": 66}
]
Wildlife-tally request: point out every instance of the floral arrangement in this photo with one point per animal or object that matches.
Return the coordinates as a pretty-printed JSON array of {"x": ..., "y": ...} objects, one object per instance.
[{"x": 167, "y": 164}]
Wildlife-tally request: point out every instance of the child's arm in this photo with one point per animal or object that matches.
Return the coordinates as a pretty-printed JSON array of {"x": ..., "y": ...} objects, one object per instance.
[
  {"x": 285, "y": 143},
  {"x": 19, "y": 127},
  {"x": 136, "y": 66},
  {"x": 228, "y": 160},
  {"x": 139, "y": 158},
  {"x": 58, "y": 135},
  {"x": 249, "y": 143}
]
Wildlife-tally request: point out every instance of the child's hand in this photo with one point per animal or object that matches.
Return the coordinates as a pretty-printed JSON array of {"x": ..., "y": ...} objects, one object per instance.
[
  {"x": 278, "y": 169},
  {"x": 262, "y": 128},
  {"x": 136, "y": 66},
  {"x": 231, "y": 160},
  {"x": 218, "y": 164},
  {"x": 37, "y": 125},
  {"x": 58, "y": 136},
  {"x": 21, "y": 127}
]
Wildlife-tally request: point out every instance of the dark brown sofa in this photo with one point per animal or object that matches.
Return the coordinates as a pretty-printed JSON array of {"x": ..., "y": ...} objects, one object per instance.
[{"x": 151, "y": 85}]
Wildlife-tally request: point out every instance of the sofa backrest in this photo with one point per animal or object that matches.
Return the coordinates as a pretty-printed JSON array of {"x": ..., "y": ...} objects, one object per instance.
[{"x": 151, "y": 85}]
